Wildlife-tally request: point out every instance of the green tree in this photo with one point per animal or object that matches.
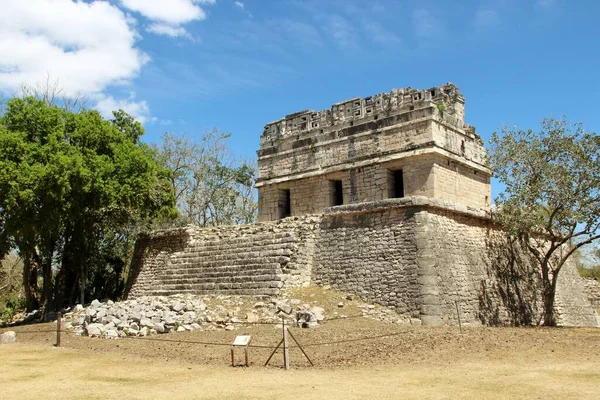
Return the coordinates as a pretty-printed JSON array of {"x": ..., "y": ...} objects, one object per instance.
[
  {"x": 71, "y": 184},
  {"x": 211, "y": 186},
  {"x": 11, "y": 290},
  {"x": 551, "y": 200},
  {"x": 588, "y": 262}
]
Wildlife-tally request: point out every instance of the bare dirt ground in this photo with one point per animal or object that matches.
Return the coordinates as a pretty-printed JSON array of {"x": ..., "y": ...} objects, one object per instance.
[{"x": 397, "y": 362}]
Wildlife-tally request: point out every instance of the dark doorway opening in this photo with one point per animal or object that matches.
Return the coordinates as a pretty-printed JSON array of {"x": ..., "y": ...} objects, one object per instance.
[
  {"x": 337, "y": 193},
  {"x": 285, "y": 203},
  {"x": 396, "y": 184}
]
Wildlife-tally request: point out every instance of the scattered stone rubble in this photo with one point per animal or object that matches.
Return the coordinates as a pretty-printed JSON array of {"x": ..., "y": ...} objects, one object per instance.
[
  {"x": 8, "y": 337},
  {"x": 180, "y": 313}
]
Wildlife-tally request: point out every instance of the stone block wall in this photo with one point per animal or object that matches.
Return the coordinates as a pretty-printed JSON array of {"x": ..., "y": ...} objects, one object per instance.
[
  {"x": 464, "y": 261},
  {"x": 257, "y": 259},
  {"x": 592, "y": 289},
  {"x": 418, "y": 255},
  {"x": 371, "y": 252},
  {"x": 359, "y": 141},
  {"x": 424, "y": 257},
  {"x": 428, "y": 174},
  {"x": 458, "y": 183},
  {"x": 492, "y": 279}
]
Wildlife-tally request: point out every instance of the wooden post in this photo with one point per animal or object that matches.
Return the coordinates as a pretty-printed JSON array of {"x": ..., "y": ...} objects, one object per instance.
[
  {"x": 232, "y": 358},
  {"x": 58, "y": 328},
  {"x": 301, "y": 349},
  {"x": 82, "y": 284},
  {"x": 273, "y": 352},
  {"x": 458, "y": 315},
  {"x": 246, "y": 352},
  {"x": 286, "y": 358}
]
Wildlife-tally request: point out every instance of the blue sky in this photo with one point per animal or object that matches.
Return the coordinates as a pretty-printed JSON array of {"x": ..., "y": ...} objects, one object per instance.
[{"x": 187, "y": 66}]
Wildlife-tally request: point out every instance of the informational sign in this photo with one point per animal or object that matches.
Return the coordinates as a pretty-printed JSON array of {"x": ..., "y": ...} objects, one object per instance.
[{"x": 242, "y": 340}]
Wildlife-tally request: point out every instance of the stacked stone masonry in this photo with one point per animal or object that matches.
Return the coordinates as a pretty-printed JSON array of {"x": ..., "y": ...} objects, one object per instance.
[
  {"x": 419, "y": 255},
  {"x": 255, "y": 259},
  {"x": 360, "y": 142}
]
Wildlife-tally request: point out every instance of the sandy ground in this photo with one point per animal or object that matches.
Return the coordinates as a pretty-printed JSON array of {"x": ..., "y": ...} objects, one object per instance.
[
  {"x": 418, "y": 362},
  {"x": 36, "y": 371},
  {"x": 397, "y": 362}
]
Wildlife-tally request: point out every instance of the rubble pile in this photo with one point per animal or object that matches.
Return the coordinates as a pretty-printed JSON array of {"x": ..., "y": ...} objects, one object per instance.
[{"x": 179, "y": 313}]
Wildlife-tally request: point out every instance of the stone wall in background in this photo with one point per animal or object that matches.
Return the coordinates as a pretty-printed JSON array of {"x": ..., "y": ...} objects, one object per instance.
[
  {"x": 592, "y": 289},
  {"x": 424, "y": 257}
]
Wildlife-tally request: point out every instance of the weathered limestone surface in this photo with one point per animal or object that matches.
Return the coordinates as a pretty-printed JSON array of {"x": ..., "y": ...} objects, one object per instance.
[
  {"x": 371, "y": 253},
  {"x": 419, "y": 255},
  {"x": 255, "y": 259},
  {"x": 570, "y": 295},
  {"x": 8, "y": 337},
  {"x": 360, "y": 141},
  {"x": 592, "y": 289}
]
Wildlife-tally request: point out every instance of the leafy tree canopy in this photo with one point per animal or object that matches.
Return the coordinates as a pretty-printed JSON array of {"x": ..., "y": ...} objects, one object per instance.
[
  {"x": 552, "y": 193},
  {"x": 67, "y": 180},
  {"x": 211, "y": 186}
]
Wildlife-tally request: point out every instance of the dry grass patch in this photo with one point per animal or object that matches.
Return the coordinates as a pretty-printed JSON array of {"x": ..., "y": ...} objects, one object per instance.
[{"x": 424, "y": 362}]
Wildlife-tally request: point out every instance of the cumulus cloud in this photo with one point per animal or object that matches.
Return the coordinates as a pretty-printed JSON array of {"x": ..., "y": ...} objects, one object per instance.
[
  {"x": 239, "y": 4},
  {"x": 84, "y": 46},
  {"x": 167, "y": 17},
  {"x": 137, "y": 109},
  {"x": 166, "y": 29}
]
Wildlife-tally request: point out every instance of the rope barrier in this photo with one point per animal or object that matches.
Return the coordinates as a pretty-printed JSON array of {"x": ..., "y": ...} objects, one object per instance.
[
  {"x": 293, "y": 320},
  {"x": 205, "y": 343},
  {"x": 226, "y": 344},
  {"x": 193, "y": 342},
  {"x": 32, "y": 332},
  {"x": 355, "y": 340}
]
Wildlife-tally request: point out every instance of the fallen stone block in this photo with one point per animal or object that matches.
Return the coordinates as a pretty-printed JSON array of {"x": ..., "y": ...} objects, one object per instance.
[{"x": 8, "y": 337}]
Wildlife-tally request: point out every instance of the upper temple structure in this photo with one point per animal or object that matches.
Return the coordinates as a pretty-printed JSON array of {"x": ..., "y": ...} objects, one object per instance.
[{"x": 407, "y": 142}]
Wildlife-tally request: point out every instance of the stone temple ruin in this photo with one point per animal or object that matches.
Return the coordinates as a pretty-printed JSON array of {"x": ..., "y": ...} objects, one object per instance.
[
  {"x": 404, "y": 143},
  {"x": 386, "y": 197}
]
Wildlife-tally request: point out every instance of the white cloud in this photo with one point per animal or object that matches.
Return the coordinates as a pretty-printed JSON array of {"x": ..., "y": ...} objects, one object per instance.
[
  {"x": 84, "y": 46},
  {"x": 166, "y": 29},
  {"x": 285, "y": 31},
  {"x": 137, "y": 109},
  {"x": 168, "y": 16},
  {"x": 370, "y": 17},
  {"x": 242, "y": 7}
]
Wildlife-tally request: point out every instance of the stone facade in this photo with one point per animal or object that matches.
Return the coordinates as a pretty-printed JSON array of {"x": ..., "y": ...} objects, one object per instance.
[
  {"x": 363, "y": 144},
  {"x": 418, "y": 255},
  {"x": 255, "y": 259},
  {"x": 386, "y": 197}
]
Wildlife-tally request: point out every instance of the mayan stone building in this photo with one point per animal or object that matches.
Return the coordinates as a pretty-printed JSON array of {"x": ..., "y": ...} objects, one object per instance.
[
  {"x": 386, "y": 197},
  {"x": 404, "y": 143}
]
